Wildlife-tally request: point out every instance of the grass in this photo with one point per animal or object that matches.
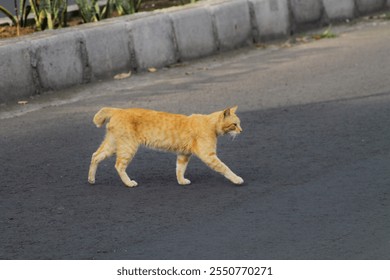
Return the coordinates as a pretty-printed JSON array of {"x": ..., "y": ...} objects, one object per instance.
[{"x": 327, "y": 34}]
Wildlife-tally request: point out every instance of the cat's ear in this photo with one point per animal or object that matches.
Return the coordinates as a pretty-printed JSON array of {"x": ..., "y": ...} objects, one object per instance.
[{"x": 226, "y": 112}]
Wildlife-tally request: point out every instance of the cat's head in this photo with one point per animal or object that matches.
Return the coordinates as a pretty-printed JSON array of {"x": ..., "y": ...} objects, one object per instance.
[{"x": 229, "y": 123}]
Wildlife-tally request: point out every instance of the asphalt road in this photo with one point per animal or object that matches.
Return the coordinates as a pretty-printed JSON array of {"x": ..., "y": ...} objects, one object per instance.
[{"x": 314, "y": 154}]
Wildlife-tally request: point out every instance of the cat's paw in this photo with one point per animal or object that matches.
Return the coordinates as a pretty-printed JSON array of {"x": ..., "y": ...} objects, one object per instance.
[
  {"x": 185, "y": 182},
  {"x": 238, "y": 180},
  {"x": 91, "y": 181},
  {"x": 131, "y": 184}
]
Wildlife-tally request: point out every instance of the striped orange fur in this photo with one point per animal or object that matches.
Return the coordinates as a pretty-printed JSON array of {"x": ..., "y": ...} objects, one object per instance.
[{"x": 196, "y": 134}]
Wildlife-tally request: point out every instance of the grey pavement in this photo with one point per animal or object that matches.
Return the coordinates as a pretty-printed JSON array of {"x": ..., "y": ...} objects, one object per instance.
[{"x": 314, "y": 155}]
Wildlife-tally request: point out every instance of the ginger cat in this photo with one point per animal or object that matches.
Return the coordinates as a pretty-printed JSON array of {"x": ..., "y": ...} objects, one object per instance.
[{"x": 196, "y": 134}]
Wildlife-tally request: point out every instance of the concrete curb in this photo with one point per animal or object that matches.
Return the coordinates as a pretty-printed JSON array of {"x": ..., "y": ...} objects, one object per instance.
[{"x": 53, "y": 60}]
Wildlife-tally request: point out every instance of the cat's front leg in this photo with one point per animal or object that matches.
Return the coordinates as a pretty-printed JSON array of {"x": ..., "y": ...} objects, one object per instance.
[
  {"x": 216, "y": 164},
  {"x": 181, "y": 166}
]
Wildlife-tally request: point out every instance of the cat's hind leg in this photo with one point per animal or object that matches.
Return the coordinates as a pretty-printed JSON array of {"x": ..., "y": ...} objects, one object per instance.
[
  {"x": 181, "y": 166},
  {"x": 106, "y": 149},
  {"x": 125, "y": 154}
]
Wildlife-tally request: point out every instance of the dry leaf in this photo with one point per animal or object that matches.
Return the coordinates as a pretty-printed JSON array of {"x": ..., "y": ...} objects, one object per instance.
[
  {"x": 22, "y": 102},
  {"x": 317, "y": 37},
  {"x": 261, "y": 46},
  {"x": 122, "y": 76},
  {"x": 152, "y": 69},
  {"x": 304, "y": 39}
]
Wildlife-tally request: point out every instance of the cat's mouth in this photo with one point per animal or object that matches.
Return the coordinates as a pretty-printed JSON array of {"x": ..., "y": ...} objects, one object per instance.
[{"x": 233, "y": 134}]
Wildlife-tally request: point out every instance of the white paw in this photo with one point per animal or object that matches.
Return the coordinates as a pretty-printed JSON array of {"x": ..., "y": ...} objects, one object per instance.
[
  {"x": 132, "y": 184},
  {"x": 185, "y": 182},
  {"x": 238, "y": 180}
]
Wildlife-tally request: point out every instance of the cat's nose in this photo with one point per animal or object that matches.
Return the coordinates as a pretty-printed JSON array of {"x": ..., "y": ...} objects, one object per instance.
[{"x": 239, "y": 128}]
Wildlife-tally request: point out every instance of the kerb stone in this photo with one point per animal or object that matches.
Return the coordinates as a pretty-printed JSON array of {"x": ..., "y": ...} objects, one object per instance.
[
  {"x": 369, "y": 6},
  {"x": 58, "y": 60},
  {"x": 194, "y": 33},
  {"x": 15, "y": 72},
  {"x": 306, "y": 11},
  {"x": 232, "y": 24},
  {"x": 339, "y": 9},
  {"x": 108, "y": 50},
  {"x": 270, "y": 19},
  {"x": 153, "y": 41}
]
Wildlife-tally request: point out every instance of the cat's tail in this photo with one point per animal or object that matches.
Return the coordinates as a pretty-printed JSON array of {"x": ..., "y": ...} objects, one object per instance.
[{"x": 103, "y": 115}]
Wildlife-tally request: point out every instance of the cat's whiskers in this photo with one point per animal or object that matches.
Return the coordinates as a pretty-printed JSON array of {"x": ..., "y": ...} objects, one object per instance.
[{"x": 233, "y": 135}]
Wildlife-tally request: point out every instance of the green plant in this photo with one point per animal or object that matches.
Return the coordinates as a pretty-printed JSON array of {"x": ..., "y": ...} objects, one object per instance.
[
  {"x": 21, "y": 14},
  {"x": 49, "y": 13},
  {"x": 183, "y": 2},
  {"x": 9, "y": 15},
  {"x": 328, "y": 33},
  {"x": 53, "y": 13},
  {"x": 126, "y": 7},
  {"x": 90, "y": 11}
]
